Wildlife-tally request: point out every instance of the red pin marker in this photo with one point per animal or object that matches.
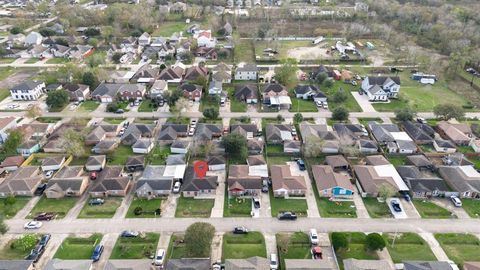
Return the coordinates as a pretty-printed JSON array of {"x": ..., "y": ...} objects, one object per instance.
[{"x": 200, "y": 167}]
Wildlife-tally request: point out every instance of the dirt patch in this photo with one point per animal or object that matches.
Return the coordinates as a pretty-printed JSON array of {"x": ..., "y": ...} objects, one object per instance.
[{"x": 309, "y": 53}]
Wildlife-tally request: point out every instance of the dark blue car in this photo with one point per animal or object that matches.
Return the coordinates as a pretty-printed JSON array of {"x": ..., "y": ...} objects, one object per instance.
[
  {"x": 301, "y": 165},
  {"x": 44, "y": 240},
  {"x": 97, "y": 252}
]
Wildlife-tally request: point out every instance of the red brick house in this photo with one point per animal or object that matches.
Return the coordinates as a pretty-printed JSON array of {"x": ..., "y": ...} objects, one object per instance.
[{"x": 191, "y": 91}]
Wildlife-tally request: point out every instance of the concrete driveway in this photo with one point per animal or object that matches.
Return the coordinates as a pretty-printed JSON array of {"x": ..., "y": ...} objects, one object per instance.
[
  {"x": 447, "y": 204},
  {"x": 217, "y": 210},
  {"x": 409, "y": 209},
  {"x": 108, "y": 242},
  {"x": 50, "y": 250},
  {"x": 397, "y": 215},
  {"x": 312, "y": 210},
  {"x": 363, "y": 101},
  {"x": 265, "y": 208}
]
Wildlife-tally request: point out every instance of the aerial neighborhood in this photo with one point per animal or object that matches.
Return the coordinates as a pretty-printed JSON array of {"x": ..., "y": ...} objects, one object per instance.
[{"x": 239, "y": 134}]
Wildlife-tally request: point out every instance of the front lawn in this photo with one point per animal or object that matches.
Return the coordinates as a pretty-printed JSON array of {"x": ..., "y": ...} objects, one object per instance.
[
  {"x": 408, "y": 247},
  {"x": 120, "y": 155},
  {"x": 58, "y": 206},
  {"x": 58, "y": 60},
  {"x": 428, "y": 209},
  {"x": 460, "y": 247},
  {"x": 298, "y": 247},
  {"x": 14, "y": 250},
  {"x": 350, "y": 103},
  {"x": 78, "y": 248},
  {"x": 365, "y": 121},
  {"x": 237, "y": 207},
  {"x": 88, "y": 106},
  {"x": 180, "y": 120},
  {"x": 113, "y": 121},
  {"x": 298, "y": 206},
  {"x": 356, "y": 249},
  {"x": 147, "y": 105},
  {"x": 32, "y": 60},
  {"x": 209, "y": 101},
  {"x": 148, "y": 208},
  {"x": 377, "y": 209},
  {"x": 472, "y": 207},
  {"x": 176, "y": 247},
  {"x": 235, "y": 105},
  {"x": 106, "y": 210},
  {"x": 141, "y": 247},
  {"x": 336, "y": 209},
  {"x": 303, "y": 105},
  {"x": 10, "y": 207},
  {"x": 48, "y": 119},
  {"x": 242, "y": 246},
  {"x": 190, "y": 207}
]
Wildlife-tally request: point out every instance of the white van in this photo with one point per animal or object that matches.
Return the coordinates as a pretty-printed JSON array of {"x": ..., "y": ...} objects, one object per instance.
[
  {"x": 456, "y": 201},
  {"x": 313, "y": 235},
  {"x": 159, "y": 257},
  {"x": 273, "y": 262}
]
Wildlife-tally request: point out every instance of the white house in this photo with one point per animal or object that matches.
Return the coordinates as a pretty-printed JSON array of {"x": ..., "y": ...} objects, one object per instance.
[
  {"x": 28, "y": 90},
  {"x": 205, "y": 39},
  {"x": 143, "y": 146},
  {"x": 381, "y": 88},
  {"x": 33, "y": 38},
  {"x": 215, "y": 88},
  {"x": 144, "y": 39},
  {"x": 246, "y": 72},
  {"x": 179, "y": 147},
  {"x": 216, "y": 163},
  {"x": 6, "y": 123}
]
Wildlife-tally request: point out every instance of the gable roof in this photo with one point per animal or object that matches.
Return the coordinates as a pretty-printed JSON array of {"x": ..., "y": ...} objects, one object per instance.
[
  {"x": 418, "y": 131},
  {"x": 171, "y": 73},
  {"x": 354, "y": 264},
  {"x": 27, "y": 85},
  {"x": 193, "y": 72},
  {"x": 207, "y": 131},
  {"x": 326, "y": 178},
  {"x": 276, "y": 132},
  {"x": 95, "y": 160},
  {"x": 192, "y": 183},
  {"x": 246, "y": 91},
  {"x": 336, "y": 161},
  {"x": 383, "y": 80},
  {"x": 418, "y": 182},
  {"x": 426, "y": 265},
  {"x": 275, "y": 87},
  {"x": 252, "y": 263},
  {"x": 282, "y": 178},
  {"x": 461, "y": 178},
  {"x": 304, "y": 89},
  {"x": 135, "y": 160},
  {"x": 188, "y": 264}
]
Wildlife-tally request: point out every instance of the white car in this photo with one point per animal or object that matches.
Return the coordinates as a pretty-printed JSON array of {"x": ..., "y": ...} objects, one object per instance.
[
  {"x": 318, "y": 103},
  {"x": 32, "y": 225},
  {"x": 313, "y": 236},
  {"x": 159, "y": 257},
  {"x": 456, "y": 201},
  {"x": 49, "y": 174},
  {"x": 176, "y": 187},
  {"x": 273, "y": 262},
  {"x": 191, "y": 131}
]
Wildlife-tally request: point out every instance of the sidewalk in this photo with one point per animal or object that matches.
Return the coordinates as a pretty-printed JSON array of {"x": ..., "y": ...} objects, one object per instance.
[
  {"x": 27, "y": 208},
  {"x": 435, "y": 246},
  {"x": 360, "y": 206}
]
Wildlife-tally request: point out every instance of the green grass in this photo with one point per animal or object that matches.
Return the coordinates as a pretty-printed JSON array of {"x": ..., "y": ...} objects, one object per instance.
[
  {"x": 48, "y": 119},
  {"x": 190, "y": 207},
  {"x": 120, "y": 155},
  {"x": 32, "y": 60},
  {"x": 350, "y": 104},
  {"x": 244, "y": 51},
  {"x": 59, "y": 206},
  {"x": 147, "y": 105},
  {"x": 299, "y": 206},
  {"x": 472, "y": 207},
  {"x": 166, "y": 29},
  {"x": 428, "y": 209},
  {"x": 302, "y": 105},
  {"x": 237, "y": 207},
  {"x": 6, "y": 72},
  {"x": 209, "y": 101},
  {"x": 7, "y": 60},
  {"x": 408, "y": 247},
  {"x": 235, "y": 105},
  {"x": 78, "y": 248},
  {"x": 88, "y": 106},
  {"x": 58, "y": 60},
  {"x": 176, "y": 247},
  {"x": 106, "y": 210},
  {"x": 145, "y": 120},
  {"x": 148, "y": 206},
  {"x": 4, "y": 93},
  {"x": 10, "y": 210},
  {"x": 376, "y": 209},
  {"x": 141, "y": 247},
  {"x": 113, "y": 121},
  {"x": 365, "y": 121},
  {"x": 242, "y": 246},
  {"x": 181, "y": 120},
  {"x": 158, "y": 155},
  {"x": 397, "y": 160},
  {"x": 356, "y": 249},
  {"x": 274, "y": 148},
  {"x": 460, "y": 247},
  {"x": 340, "y": 209},
  {"x": 298, "y": 247},
  {"x": 278, "y": 160},
  {"x": 13, "y": 250}
]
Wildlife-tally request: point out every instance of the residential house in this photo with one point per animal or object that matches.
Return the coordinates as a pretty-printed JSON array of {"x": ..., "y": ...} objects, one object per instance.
[
  {"x": 39, "y": 51},
  {"x": 463, "y": 179},
  {"x": 193, "y": 186},
  {"x": 106, "y": 92},
  {"x": 77, "y": 92},
  {"x": 11, "y": 163},
  {"x": 370, "y": 178},
  {"x": 367, "y": 146},
  {"x": 215, "y": 88},
  {"x": 255, "y": 146},
  {"x": 28, "y": 147},
  {"x": 292, "y": 146},
  {"x": 171, "y": 132},
  {"x": 52, "y": 163},
  {"x": 284, "y": 184},
  {"x": 194, "y": 72},
  {"x": 325, "y": 263},
  {"x": 59, "y": 51},
  {"x": 112, "y": 182},
  {"x": 6, "y": 124},
  {"x": 207, "y": 132},
  {"x": 429, "y": 265},
  {"x": 252, "y": 263},
  {"x": 207, "y": 53},
  {"x": 135, "y": 163},
  {"x": 144, "y": 39},
  {"x": 423, "y": 184},
  {"x": 128, "y": 264},
  {"x": 105, "y": 146},
  {"x": 81, "y": 51},
  {"x": 143, "y": 146},
  {"x": 444, "y": 146},
  {"x": 337, "y": 162},
  {"x": 390, "y": 135},
  {"x": 101, "y": 132},
  {"x": 354, "y": 264},
  {"x": 306, "y": 91},
  {"x": 158, "y": 89},
  {"x": 58, "y": 264},
  {"x": 276, "y": 95},
  {"x": 27, "y": 90},
  {"x": 172, "y": 74},
  {"x": 420, "y": 133},
  {"x": 249, "y": 131},
  {"x": 460, "y": 134},
  {"x": 191, "y": 91},
  {"x": 53, "y": 87},
  {"x": 205, "y": 39},
  {"x": 179, "y": 147},
  {"x": 134, "y": 132},
  {"x": 222, "y": 73},
  {"x": 188, "y": 264},
  {"x": 95, "y": 163},
  {"x": 70, "y": 181},
  {"x": 132, "y": 91},
  {"x": 312, "y": 132},
  {"x": 21, "y": 182},
  {"x": 154, "y": 182},
  {"x": 332, "y": 184},
  {"x": 247, "y": 93},
  {"x": 381, "y": 88},
  {"x": 17, "y": 265},
  {"x": 216, "y": 163},
  {"x": 33, "y": 38},
  {"x": 278, "y": 133},
  {"x": 257, "y": 166},
  {"x": 246, "y": 72},
  {"x": 145, "y": 74},
  {"x": 420, "y": 161},
  {"x": 16, "y": 39}
]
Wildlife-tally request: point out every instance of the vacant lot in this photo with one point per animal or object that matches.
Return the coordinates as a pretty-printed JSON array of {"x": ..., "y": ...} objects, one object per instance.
[
  {"x": 78, "y": 248},
  {"x": 166, "y": 29},
  {"x": 376, "y": 209},
  {"x": 147, "y": 207},
  {"x": 427, "y": 209},
  {"x": 408, "y": 247},
  {"x": 242, "y": 246},
  {"x": 58, "y": 206},
  {"x": 190, "y": 207},
  {"x": 356, "y": 249},
  {"x": 141, "y": 247},
  {"x": 106, "y": 210},
  {"x": 9, "y": 208},
  {"x": 286, "y": 49},
  {"x": 460, "y": 247},
  {"x": 299, "y": 206},
  {"x": 244, "y": 51},
  {"x": 350, "y": 103},
  {"x": 297, "y": 247}
]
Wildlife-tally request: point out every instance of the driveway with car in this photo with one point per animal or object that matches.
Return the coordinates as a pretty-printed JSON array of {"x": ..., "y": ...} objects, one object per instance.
[
  {"x": 312, "y": 210},
  {"x": 396, "y": 214}
]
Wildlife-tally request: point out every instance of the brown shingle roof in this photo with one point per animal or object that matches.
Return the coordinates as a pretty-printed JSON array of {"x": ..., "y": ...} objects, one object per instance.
[{"x": 283, "y": 179}]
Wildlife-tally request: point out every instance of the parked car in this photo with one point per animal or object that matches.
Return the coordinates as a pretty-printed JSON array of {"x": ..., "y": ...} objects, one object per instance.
[
  {"x": 318, "y": 103},
  {"x": 125, "y": 124},
  {"x": 273, "y": 261},
  {"x": 93, "y": 175},
  {"x": 40, "y": 189},
  {"x": 325, "y": 105},
  {"x": 316, "y": 253},
  {"x": 159, "y": 257},
  {"x": 407, "y": 198},
  {"x": 35, "y": 254},
  {"x": 97, "y": 253},
  {"x": 456, "y": 201},
  {"x": 45, "y": 239},
  {"x": 287, "y": 216},
  {"x": 176, "y": 187},
  {"x": 96, "y": 201},
  {"x": 191, "y": 131},
  {"x": 218, "y": 266},
  {"x": 395, "y": 205},
  {"x": 294, "y": 132},
  {"x": 49, "y": 174},
  {"x": 421, "y": 120},
  {"x": 129, "y": 233},
  {"x": 301, "y": 164},
  {"x": 313, "y": 237},
  {"x": 256, "y": 202},
  {"x": 45, "y": 216},
  {"x": 119, "y": 111},
  {"x": 32, "y": 225},
  {"x": 240, "y": 230},
  {"x": 265, "y": 188}
]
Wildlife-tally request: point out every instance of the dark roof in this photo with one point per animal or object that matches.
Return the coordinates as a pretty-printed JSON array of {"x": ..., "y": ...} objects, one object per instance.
[
  {"x": 207, "y": 131},
  {"x": 380, "y": 80},
  {"x": 135, "y": 160},
  {"x": 216, "y": 160},
  {"x": 381, "y": 132},
  {"x": 246, "y": 91},
  {"x": 419, "y": 182},
  {"x": 303, "y": 89},
  {"x": 15, "y": 264},
  {"x": 27, "y": 85},
  {"x": 426, "y": 265},
  {"x": 419, "y": 161},
  {"x": 194, "y": 72},
  {"x": 190, "y": 87},
  {"x": 445, "y": 143},
  {"x": 275, "y": 87},
  {"x": 336, "y": 161},
  {"x": 188, "y": 264},
  {"x": 418, "y": 132},
  {"x": 74, "y": 87},
  {"x": 95, "y": 160},
  {"x": 192, "y": 183},
  {"x": 155, "y": 184},
  {"x": 243, "y": 128}
]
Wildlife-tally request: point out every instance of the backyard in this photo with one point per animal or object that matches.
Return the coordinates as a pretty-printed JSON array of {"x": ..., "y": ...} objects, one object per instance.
[
  {"x": 298, "y": 247},
  {"x": 377, "y": 209},
  {"x": 58, "y": 206},
  {"x": 148, "y": 208},
  {"x": 460, "y": 247},
  {"x": 428, "y": 209},
  {"x": 408, "y": 247},
  {"x": 106, "y": 210},
  {"x": 78, "y": 248},
  {"x": 356, "y": 249},
  {"x": 166, "y": 29},
  {"x": 120, "y": 155},
  {"x": 298, "y": 206},
  {"x": 140, "y": 247},
  {"x": 242, "y": 246},
  {"x": 237, "y": 207},
  {"x": 190, "y": 207},
  {"x": 10, "y": 206}
]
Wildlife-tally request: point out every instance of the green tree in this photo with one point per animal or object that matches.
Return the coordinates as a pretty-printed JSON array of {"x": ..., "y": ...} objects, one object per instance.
[
  {"x": 25, "y": 242},
  {"x": 198, "y": 239},
  {"x": 3, "y": 226},
  {"x": 93, "y": 42},
  {"x": 280, "y": 118},
  {"x": 116, "y": 57},
  {"x": 15, "y": 30},
  {"x": 91, "y": 32},
  {"x": 171, "y": 97},
  {"x": 328, "y": 83},
  {"x": 298, "y": 117},
  {"x": 15, "y": 138},
  {"x": 339, "y": 241},
  {"x": 57, "y": 99},
  {"x": 340, "y": 96},
  {"x": 211, "y": 112},
  {"x": 374, "y": 241},
  {"x": 448, "y": 111},
  {"x": 404, "y": 114},
  {"x": 72, "y": 143},
  {"x": 112, "y": 107},
  {"x": 340, "y": 114},
  {"x": 385, "y": 191},
  {"x": 235, "y": 146},
  {"x": 286, "y": 73},
  {"x": 321, "y": 77},
  {"x": 90, "y": 79},
  {"x": 95, "y": 60}
]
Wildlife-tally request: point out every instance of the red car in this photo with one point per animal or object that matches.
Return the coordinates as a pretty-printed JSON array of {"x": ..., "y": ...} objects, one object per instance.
[
  {"x": 45, "y": 216},
  {"x": 93, "y": 175}
]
